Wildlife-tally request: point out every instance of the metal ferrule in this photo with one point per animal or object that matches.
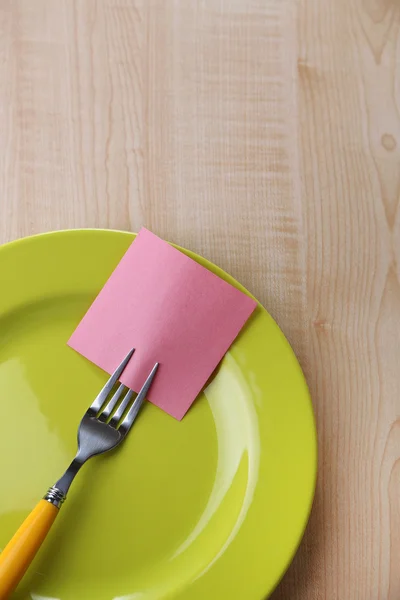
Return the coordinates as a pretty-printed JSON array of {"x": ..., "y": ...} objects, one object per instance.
[{"x": 55, "y": 496}]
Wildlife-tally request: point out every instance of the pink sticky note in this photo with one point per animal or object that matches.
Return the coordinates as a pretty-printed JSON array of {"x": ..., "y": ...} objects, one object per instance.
[{"x": 172, "y": 311}]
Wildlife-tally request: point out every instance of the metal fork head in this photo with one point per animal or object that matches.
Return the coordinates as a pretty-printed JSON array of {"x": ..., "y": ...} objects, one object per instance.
[{"x": 107, "y": 421}]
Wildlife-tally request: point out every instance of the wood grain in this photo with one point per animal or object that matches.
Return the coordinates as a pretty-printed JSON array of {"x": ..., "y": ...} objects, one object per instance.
[{"x": 265, "y": 135}]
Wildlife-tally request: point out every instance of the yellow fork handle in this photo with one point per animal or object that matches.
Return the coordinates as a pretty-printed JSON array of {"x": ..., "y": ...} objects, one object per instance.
[{"x": 21, "y": 549}]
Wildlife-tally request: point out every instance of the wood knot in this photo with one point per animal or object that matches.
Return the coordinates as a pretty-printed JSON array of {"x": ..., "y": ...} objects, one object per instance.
[
  {"x": 388, "y": 142},
  {"x": 322, "y": 325}
]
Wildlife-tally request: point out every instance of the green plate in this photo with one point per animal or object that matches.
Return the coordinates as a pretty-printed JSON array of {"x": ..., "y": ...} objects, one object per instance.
[{"x": 212, "y": 507}]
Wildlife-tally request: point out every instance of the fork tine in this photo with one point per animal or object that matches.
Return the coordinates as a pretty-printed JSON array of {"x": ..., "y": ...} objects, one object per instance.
[
  {"x": 121, "y": 409},
  {"x": 109, "y": 407},
  {"x": 133, "y": 411},
  {"x": 102, "y": 396}
]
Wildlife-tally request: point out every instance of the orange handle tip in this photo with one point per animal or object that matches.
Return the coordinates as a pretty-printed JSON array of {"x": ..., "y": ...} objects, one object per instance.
[{"x": 22, "y": 548}]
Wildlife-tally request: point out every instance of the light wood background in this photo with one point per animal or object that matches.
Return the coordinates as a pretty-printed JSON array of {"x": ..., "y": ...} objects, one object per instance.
[{"x": 263, "y": 134}]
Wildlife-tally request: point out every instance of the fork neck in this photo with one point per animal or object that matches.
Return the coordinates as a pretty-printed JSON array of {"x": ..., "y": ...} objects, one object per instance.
[{"x": 64, "y": 483}]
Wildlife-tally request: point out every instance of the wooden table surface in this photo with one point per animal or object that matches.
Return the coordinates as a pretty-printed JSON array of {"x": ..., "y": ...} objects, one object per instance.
[{"x": 263, "y": 134}]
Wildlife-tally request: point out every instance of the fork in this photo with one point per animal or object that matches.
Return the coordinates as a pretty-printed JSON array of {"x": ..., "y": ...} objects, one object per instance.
[{"x": 104, "y": 426}]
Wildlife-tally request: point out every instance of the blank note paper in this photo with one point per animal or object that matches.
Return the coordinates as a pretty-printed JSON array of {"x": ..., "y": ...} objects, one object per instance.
[{"x": 172, "y": 311}]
